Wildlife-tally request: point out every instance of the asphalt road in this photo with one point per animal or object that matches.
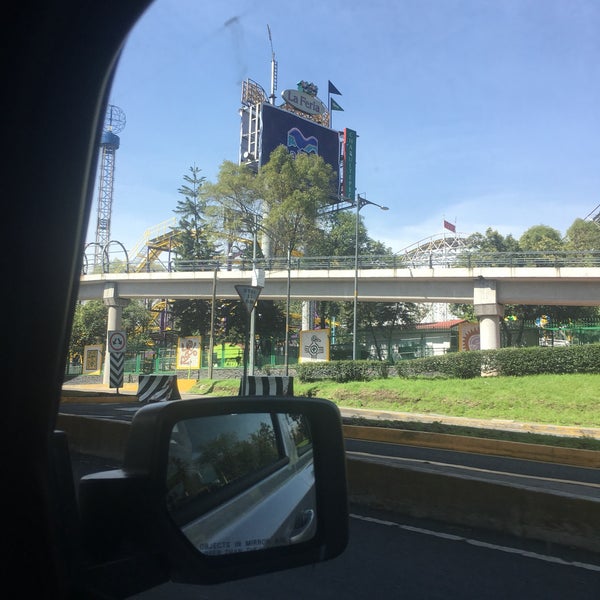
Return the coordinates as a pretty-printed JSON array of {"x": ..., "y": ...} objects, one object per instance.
[
  {"x": 397, "y": 557},
  {"x": 391, "y": 558}
]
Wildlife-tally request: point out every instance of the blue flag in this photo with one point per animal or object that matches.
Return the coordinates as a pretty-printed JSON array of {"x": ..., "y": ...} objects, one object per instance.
[{"x": 333, "y": 90}]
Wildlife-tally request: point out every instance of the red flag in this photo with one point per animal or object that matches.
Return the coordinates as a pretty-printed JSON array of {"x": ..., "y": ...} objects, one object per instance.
[{"x": 449, "y": 226}]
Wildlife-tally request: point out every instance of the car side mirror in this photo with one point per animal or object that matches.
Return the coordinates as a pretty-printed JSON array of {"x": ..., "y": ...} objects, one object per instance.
[{"x": 223, "y": 488}]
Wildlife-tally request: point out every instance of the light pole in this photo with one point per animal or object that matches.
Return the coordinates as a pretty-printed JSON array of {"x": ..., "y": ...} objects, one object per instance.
[{"x": 360, "y": 202}]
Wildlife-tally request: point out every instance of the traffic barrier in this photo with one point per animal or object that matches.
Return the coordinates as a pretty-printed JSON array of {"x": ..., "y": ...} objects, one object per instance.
[
  {"x": 475, "y": 501},
  {"x": 266, "y": 386},
  {"x": 157, "y": 388}
]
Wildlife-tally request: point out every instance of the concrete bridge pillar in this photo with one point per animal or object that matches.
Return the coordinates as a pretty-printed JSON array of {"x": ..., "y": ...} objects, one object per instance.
[
  {"x": 488, "y": 312},
  {"x": 115, "y": 314}
]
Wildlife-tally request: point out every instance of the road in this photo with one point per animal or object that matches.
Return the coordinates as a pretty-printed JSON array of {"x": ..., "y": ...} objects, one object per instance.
[
  {"x": 391, "y": 558},
  {"x": 398, "y": 557}
]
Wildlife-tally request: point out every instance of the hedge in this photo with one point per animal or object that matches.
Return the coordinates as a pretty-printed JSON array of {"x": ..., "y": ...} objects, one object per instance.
[
  {"x": 507, "y": 361},
  {"x": 462, "y": 365},
  {"x": 342, "y": 371}
]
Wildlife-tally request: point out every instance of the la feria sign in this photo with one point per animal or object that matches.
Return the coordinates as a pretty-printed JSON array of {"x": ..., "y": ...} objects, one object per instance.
[{"x": 304, "y": 102}]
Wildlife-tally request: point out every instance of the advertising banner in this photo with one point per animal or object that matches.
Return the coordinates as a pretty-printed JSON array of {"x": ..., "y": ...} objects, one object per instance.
[
  {"x": 188, "y": 352},
  {"x": 281, "y": 127},
  {"x": 468, "y": 336},
  {"x": 314, "y": 345},
  {"x": 349, "y": 184},
  {"x": 92, "y": 359}
]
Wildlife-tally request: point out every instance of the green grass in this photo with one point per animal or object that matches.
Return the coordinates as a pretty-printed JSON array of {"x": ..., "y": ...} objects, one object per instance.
[{"x": 570, "y": 400}]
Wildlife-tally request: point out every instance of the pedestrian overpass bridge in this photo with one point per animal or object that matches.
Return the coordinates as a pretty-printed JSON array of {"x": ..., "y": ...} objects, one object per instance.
[{"x": 488, "y": 282}]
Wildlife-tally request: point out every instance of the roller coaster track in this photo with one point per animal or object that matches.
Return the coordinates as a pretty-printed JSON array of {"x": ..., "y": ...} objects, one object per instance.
[
  {"x": 155, "y": 240},
  {"x": 436, "y": 249}
]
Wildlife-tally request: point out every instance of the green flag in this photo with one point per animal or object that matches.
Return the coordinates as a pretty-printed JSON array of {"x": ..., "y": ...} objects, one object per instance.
[{"x": 335, "y": 105}]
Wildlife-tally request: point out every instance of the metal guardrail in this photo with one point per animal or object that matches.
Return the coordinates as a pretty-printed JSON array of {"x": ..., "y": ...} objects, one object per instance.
[{"x": 554, "y": 259}]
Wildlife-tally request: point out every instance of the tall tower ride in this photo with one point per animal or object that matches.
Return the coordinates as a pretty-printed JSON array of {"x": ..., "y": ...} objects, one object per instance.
[{"x": 114, "y": 122}]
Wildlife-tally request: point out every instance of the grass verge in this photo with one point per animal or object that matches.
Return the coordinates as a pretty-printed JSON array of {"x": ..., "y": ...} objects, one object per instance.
[{"x": 570, "y": 400}]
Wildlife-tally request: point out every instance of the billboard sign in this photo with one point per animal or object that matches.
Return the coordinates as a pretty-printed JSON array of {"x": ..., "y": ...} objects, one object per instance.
[
  {"x": 188, "y": 352},
  {"x": 297, "y": 134},
  {"x": 349, "y": 185},
  {"x": 314, "y": 345},
  {"x": 305, "y": 102}
]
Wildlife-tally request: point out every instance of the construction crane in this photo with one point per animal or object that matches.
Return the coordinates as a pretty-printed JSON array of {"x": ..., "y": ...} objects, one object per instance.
[{"x": 114, "y": 122}]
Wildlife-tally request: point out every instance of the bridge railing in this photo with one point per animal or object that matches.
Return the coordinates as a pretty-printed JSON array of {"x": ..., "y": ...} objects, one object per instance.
[
  {"x": 469, "y": 259},
  {"x": 433, "y": 260}
]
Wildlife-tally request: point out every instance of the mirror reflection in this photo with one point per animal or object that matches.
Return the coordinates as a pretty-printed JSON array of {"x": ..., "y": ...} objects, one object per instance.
[{"x": 242, "y": 482}]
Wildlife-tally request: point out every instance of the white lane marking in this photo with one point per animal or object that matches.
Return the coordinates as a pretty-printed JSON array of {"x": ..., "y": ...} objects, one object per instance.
[{"x": 480, "y": 544}]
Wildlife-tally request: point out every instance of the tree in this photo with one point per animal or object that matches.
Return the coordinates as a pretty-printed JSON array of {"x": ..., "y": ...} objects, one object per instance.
[
  {"x": 491, "y": 241},
  {"x": 377, "y": 319},
  {"x": 234, "y": 205},
  {"x": 90, "y": 321},
  {"x": 294, "y": 191},
  {"x": 194, "y": 235},
  {"x": 194, "y": 238},
  {"x": 583, "y": 235},
  {"x": 540, "y": 238},
  {"x": 89, "y": 326}
]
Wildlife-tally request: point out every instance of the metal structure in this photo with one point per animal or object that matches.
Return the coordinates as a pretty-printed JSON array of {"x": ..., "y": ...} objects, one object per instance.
[
  {"x": 114, "y": 122},
  {"x": 438, "y": 250},
  {"x": 360, "y": 202},
  {"x": 594, "y": 216}
]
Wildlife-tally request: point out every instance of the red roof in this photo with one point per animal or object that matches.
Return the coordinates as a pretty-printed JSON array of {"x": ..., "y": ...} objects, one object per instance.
[{"x": 441, "y": 324}]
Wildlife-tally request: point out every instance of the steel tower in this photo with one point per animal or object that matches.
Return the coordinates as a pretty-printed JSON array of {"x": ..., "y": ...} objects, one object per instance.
[{"x": 114, "y": 122}]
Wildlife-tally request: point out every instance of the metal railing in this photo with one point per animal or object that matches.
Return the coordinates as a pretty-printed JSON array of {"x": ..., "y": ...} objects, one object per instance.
[{"x": 554, "y": 259}]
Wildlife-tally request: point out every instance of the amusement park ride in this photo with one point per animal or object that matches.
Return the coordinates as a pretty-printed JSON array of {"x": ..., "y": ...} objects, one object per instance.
[{"x": 114, "y": 123}]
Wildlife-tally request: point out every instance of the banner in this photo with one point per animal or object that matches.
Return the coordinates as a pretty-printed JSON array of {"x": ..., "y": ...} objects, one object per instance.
[
  {"x": 188, "y": 352},
  {"x": 349, "y": 181},
  {"x": 468, "y": 336},
  {"x": 314, "y": 345},
  {"x": 92, "y": 359}
]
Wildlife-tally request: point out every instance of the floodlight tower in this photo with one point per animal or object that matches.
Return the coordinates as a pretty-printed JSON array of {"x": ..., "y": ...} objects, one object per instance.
[{"x": 114, "y": 122}]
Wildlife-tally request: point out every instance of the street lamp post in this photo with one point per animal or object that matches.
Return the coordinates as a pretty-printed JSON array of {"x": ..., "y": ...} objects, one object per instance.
[{"x": 360, "y": 202}]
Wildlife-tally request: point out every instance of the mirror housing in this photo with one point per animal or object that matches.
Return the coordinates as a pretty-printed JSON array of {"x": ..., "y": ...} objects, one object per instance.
[{"x": 125, "y": 515}]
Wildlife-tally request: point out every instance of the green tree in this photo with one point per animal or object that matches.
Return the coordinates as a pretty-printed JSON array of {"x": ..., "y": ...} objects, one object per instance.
[
  {"x": 194, "y": 235},
  {"x": 583, "y": 235},
  {"x": 491, "y": 242},
  {"x": 540, "y": 238},
  {"x": 90, "y": 322},
  {"x": 234, "y": 206},
  {"x": 194, "y": 238},
  {"x": 377, "y": 320},
  {"x": 295, "y": 190},
  {"x": 89, "y": 326}
]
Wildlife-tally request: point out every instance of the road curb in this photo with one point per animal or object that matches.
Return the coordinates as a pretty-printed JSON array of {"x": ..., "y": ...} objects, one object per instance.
[
  {"x": 475, "y": 502},
  {"x": 553, "y": 454}
]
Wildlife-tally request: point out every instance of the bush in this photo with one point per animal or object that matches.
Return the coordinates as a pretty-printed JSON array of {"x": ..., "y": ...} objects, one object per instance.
[
  {"x": 506, "y": 361},
  {"x": 342, "y": 371},
  {"x": 462, "y": 365}
]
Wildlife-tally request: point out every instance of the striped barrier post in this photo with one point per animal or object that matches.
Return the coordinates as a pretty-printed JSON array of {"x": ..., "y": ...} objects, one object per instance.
[
  {"x": 267, "y": 386},
  {"x": 157, "y": 388}
]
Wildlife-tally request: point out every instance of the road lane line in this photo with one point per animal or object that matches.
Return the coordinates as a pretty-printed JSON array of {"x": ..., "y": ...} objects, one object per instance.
[{"x": 478, "y": 543}]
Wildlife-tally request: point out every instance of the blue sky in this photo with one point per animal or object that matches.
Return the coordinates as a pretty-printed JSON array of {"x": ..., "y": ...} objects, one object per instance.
[{"x": 485, "y": 113}]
